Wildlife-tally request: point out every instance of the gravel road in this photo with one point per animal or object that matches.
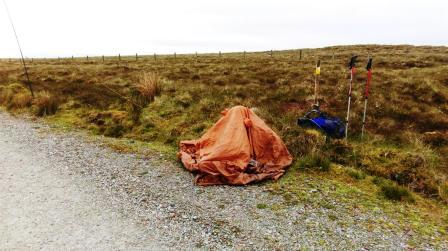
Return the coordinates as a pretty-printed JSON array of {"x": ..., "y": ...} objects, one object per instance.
[{"x": 65, "y": 191}]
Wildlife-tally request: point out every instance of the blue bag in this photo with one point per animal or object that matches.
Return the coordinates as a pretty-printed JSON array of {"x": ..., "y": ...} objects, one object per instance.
[{"x": 332, "y": 126}]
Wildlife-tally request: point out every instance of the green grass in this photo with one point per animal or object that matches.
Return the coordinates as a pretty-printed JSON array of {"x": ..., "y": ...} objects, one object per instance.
[
  {"x": 356, "y": 174},
  {"x": 315, "y": 161},
  {"x": 394, "y": 192},
  {"x": 262, "y": 206},
  {"x": 339, "y": 193}
]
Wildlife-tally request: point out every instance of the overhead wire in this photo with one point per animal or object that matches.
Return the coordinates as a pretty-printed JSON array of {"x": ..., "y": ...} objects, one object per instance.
[{"x": 28, "y": 82}]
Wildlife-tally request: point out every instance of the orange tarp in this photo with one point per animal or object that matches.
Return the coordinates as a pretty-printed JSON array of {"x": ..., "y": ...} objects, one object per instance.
[{"x": 239, "y": 149}]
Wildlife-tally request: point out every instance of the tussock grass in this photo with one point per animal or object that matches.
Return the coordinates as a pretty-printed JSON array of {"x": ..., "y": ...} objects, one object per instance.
[
  {"x": 45, "y": 104},
  {"x": 15, "y": 96},
  {"x": 7, "y": 93},
  {"x": 443, "y": 192},
  {"x": 143, "y": 92},
  {"x": 395, "y": 192},
  {"x": 21, "y": 100},
  {"x": 149, "y": 85},
  {"x": 315, "y": 162},
  {"x": 392, "y": 191},
  {"x": 356, "y": 174}
]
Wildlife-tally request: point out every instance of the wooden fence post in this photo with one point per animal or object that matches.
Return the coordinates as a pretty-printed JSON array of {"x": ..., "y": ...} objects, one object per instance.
[
  {"x": 136, "y": 57},
  {"x": 87, "y": 58},
  {"x": 119, "y": 57},
  {"x": 196, "y": 54},
  {"x": 155, "y": 57},
  {"x": 244, "y": 55},
  {"x": 300, "y": 57},
  {"x": 73, "y": 58},
  {"x": 174, "y": 55},
  {"x": 219, "y": 53},
  {"x": 271, "y": 53}
]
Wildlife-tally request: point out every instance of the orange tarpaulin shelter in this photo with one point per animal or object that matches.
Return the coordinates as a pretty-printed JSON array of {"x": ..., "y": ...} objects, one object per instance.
[{"x": 239, "y": 149}]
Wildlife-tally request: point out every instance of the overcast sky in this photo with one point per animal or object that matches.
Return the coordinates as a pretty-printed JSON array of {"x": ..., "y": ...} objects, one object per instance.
[{"x": 52, "y": 28}]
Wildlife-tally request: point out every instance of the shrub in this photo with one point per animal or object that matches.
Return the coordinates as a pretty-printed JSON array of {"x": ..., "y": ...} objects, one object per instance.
[
  {"x": 45, "y": 104},
  {"x": 149, "y": 86},
  {"x": 443, "y": 192},
  {"x": 378, "y": 180},
  {"x": 304, "y": 142},
  {"x": 184, "y": 100},
  {"x": 355, "y": 174},
  {"x": 21, "y": 100},
  {"x": 315, "y": 161},
  {"x": 7, "y": 94},
  {"x": 3, "y": 95},
  {"x": 115, "y": 131},
  {"x": 208, "y": 105},
  {"x": 199, "y": 128},
  {"x": 340, "y": 152},
  {"x": 395, "y": 192},
  {"x": 16, "y": 88},
  {"x": 143, "y": 93}
]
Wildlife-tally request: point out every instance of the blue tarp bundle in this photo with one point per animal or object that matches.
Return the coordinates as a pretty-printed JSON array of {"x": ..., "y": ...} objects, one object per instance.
[{"x": 332, "y": 126}]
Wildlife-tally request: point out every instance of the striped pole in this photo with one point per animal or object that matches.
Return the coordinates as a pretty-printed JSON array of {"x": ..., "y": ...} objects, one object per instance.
[
  {"x": 352, "y": 68},
  {"x": 366, "y": 93}
]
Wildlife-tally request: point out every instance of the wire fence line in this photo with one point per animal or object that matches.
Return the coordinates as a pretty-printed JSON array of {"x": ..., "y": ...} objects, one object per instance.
[{"x": 299, "y": 54}]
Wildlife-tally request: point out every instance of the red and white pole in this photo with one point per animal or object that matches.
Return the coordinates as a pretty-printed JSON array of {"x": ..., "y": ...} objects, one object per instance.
[
  {"x": 352, "y": 68},
  {"x": 366, "y": 93}
]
